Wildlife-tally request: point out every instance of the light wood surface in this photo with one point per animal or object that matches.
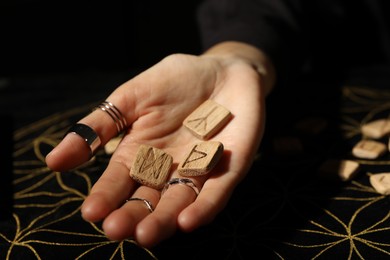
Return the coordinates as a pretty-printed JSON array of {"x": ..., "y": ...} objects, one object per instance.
[
  {"x": 207, "y": 119},
  {"x": 151, "y": 167},
  {"x": 201, "y": 159}
]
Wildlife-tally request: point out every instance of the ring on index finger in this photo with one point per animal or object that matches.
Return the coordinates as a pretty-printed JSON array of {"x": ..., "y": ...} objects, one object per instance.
[{"x": 116, "y": 115}]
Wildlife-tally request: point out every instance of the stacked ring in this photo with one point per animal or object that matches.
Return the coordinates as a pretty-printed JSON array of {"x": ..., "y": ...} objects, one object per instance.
[
  {"x": 184, "y": 181},
  {"x": 89, "y": 136},
  {"x": 115, "y": 114},
  {"x": 147, "y": 203}
]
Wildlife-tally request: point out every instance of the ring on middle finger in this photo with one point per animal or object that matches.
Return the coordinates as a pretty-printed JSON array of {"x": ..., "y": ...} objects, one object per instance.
[{"x": 147, "y": 203}]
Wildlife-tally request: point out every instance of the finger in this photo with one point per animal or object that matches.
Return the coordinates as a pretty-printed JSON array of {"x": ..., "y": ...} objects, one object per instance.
[
  {"x": 73, "y": 149},
  {"x": 121, "y": 223},
  {"x": 109, "y": 192},
  {"x": 162, "y": 223},
  {"x": 211, "y": 200}
]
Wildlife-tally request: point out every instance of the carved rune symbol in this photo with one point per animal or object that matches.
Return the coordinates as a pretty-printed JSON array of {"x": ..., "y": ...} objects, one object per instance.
[
  {"x": 201, "y": 159},
  {"x": 194, "y": 156},
  {"x": 151, "y": 163},
  {"x": 202, "y": 121},
  {"x": 151, "y": 166},
  {"x": 207, "y": 119}
]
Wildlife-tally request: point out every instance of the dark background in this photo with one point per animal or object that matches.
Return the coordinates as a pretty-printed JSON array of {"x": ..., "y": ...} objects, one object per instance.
[
  {"x": 43, "y": 36},
  {"x": 57, "y": 55}
]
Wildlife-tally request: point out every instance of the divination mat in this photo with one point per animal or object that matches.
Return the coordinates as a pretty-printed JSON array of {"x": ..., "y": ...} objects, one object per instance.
[{"x": 281, "y": 210}]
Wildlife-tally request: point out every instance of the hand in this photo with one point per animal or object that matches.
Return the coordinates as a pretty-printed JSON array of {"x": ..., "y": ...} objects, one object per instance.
[{"x": 155, "y": 103}]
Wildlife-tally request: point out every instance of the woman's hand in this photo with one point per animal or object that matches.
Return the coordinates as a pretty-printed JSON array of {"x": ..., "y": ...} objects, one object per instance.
[{"x": 155, "y": 103}]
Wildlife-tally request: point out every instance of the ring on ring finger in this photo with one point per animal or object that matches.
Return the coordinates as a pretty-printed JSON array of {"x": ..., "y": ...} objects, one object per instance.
[{"x": 182, "y": 181}]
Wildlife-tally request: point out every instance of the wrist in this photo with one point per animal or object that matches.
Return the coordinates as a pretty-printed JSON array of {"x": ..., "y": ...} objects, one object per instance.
[{"x": 256, "y": 58}]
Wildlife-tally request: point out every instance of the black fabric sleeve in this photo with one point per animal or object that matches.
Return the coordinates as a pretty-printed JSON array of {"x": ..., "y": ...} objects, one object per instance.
[
  {"x": 274, "y": 26},
  {"x": 319, "y": 37}
]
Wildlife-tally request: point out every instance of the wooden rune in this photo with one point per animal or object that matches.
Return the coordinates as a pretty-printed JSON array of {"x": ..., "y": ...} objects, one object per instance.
[
  {"x": 201, "y": 159},
  {"x": 111, "y": 145},
  {"x": 339, "y": 169},
  {"x": 151, "y": 167},
  {"x": 376, "y": 129},
  {"x": 207, "y": 119},
  {"x": 381, "y": 182},
  {"x": 369, "y": 149}
]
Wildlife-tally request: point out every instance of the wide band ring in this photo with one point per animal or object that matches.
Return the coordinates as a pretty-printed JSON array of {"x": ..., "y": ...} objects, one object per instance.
[
  {"x": 88, "y": 134},
  {"x": 115, "y": 114},
  {"x": 183, "y": 181},
  {"x": 145, "y": 201}
]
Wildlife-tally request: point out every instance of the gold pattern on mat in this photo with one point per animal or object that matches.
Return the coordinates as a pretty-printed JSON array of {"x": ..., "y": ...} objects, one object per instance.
[
  {"x": 45, "y": 211},
  {"x": 356, "y": 231},
  {"x": 52, "y": 200},
  {"x": 352, "y": 239}
]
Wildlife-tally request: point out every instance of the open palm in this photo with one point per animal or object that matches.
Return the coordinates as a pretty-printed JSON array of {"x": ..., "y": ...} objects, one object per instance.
[{"x": 155, "y": 103}]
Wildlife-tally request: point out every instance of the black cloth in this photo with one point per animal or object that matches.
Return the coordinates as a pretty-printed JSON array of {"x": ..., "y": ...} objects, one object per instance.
[
  {"x": 280, "y": 210},
  {"x": 325, "y": 37}
]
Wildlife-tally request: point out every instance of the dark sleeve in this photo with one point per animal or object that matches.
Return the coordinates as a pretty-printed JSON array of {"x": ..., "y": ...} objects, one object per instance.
[{"x": 275, "y": 26}]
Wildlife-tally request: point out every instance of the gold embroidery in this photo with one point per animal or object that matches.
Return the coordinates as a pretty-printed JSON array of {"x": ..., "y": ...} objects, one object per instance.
[
  {"x": 52, "y": 201},
  {"x": 36, "y": 220}
]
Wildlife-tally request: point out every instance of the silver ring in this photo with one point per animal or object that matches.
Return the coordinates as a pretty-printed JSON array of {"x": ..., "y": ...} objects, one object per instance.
[
  {"x": 115, "y": 114},
  {"x": 147, "y": 203},
  {"x": 88, "y": 134},
  {"x": 184, "y": 181}
]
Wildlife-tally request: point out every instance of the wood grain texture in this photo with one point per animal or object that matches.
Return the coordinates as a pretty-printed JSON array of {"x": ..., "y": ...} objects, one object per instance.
[
  {"x": 151, "y": 167},
  {"x": 201, "y": 159},
  {"x": 207, "y": 119}
]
